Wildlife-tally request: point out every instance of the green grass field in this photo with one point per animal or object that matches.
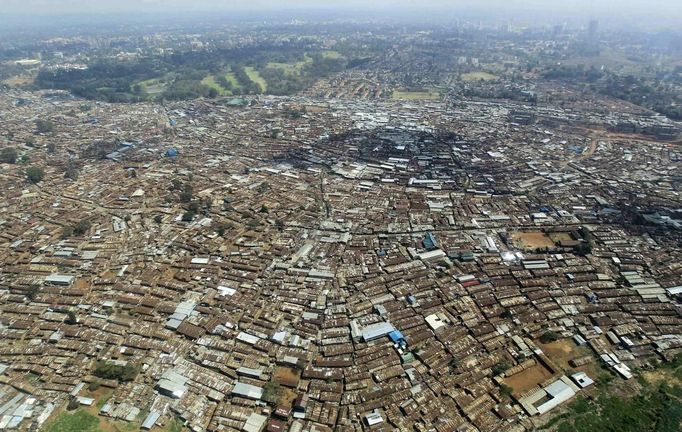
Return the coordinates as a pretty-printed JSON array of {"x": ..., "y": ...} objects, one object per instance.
[
  {"x": 174, "y": 426},
  {"x": 156, "y": 86},
  {"x": 416, "y": 95},
  {"x": 255, "y": 77},
  {"x": 288, "y": 68},
  {"x": 210, "y": 81},
  {"x": 291, "y": 68},
  {"x": 478, "y": 76},
  {"x": 78, "y": 421},
  {"x": 232, "y": 79},
  {"x": 332, "y": 54}
]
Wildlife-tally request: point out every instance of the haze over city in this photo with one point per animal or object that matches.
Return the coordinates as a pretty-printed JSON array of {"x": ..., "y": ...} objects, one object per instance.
[{"x": 658, "y": 12}]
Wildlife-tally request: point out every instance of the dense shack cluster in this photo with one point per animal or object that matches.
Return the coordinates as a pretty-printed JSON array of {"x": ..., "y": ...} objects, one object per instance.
[{"x": 311, "y": 264}]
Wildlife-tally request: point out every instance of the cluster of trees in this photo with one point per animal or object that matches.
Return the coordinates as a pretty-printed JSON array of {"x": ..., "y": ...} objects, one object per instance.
[
  {"x": 109, "y": 370},
  {"x": 496, "y": 91},
  {"x": 108, "y": 80},
  {"x": 655, "y": 408},
  {"x": 584, "y": 248},
  {"x": 189, "y": 89},
  {"x": 660, "y": 93},
  {"x": 78, "y": 229},
  {"x": 658, "y": 96},
  {"x": 573, "y": 73},
  {"x": 272, "y": 392},
  {"x": 549, "y": 336},
  {"x": 500, "y": 367}
]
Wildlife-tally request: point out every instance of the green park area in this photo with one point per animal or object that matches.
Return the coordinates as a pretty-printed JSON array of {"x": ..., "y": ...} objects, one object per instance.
[
  {"x": 478, "y": 76},
  {"x": 425, "y": 94},
  {"x": 653, "y": 404}
]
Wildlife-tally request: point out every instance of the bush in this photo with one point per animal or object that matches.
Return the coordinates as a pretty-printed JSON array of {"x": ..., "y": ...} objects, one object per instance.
[
  {"x": 271, "y": 392},
  {"x": 9, "y": 155},
  {"x": 108, "y": 370},
  {"x": 73, "y": 404},
  {"x": 222, "y": 228},
  {"x": 35, "y": 174},
  {"x": 188, "y": 216}
]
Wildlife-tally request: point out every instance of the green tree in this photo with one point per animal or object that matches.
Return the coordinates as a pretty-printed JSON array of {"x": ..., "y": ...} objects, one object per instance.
[
  {"x": 109, "y": 370},
  {"x": 32, "y": 292},
  {"x": 35, "y": 174},
  {"x": 188, "y": 216},
  {"x": 71, "y": 172},
  {"x": 71, "y": 318},
  {"x": 500, "y": 368},
  {"x": 506, "y": 390},
  {"x": 549, "y": 336},
  {"x": 81, "y": 227},
  {"x": 583, "y": 248},
  {"x": 44, "y": 126},
  {"x": 9, "y": 155},
  {"x": 271, "y": 392},
  {"x": 187, "y": 194}
]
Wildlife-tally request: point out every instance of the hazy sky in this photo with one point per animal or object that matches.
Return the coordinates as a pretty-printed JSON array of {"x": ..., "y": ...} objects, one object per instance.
[
  {"x": 70, "y": 6},
  {"x": 633, "y": 10}
]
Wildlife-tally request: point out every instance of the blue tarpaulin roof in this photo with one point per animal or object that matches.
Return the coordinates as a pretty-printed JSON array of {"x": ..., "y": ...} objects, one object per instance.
[
  {"x": 396, "y": 336},
  {"x": 430, "y": 241}
]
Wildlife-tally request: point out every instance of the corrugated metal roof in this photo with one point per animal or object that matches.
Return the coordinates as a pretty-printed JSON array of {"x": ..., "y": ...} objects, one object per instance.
[
  {"x": 151, "y": 419},
  {"x": 377, "y": 330},
  {"x": 247, "y": 390}
]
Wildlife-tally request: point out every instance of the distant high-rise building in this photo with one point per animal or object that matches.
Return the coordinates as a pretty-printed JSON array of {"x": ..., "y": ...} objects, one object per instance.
[
  {"x": 557, "y": 30},
  {"x": 592, "y": 28}
]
